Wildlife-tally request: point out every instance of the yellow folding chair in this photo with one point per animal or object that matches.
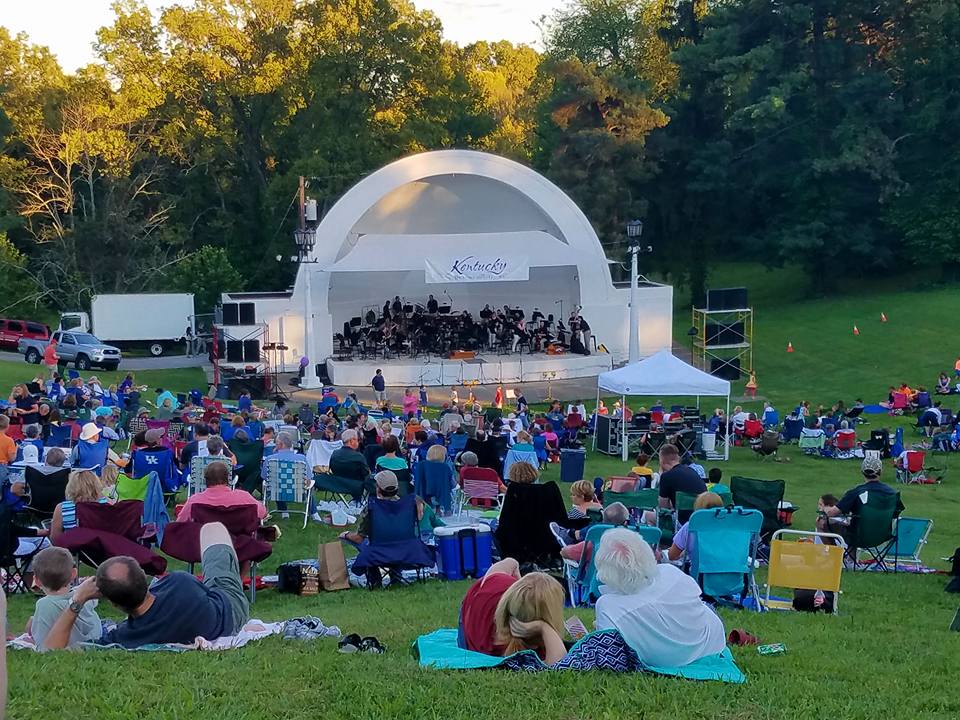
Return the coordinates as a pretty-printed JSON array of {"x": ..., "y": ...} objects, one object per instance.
[{"x": 803, "y": 564}]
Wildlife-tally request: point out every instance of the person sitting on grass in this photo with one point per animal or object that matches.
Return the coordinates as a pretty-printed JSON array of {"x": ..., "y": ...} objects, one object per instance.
[
  {"x": 175, "y": 609},
  {"x": 943, "y": 385},
  {"x": 582, "y": 498},
  {"x": 657, "y": 608},
  {"x": 682, "y": 542},
  {"x": 54, "y": 571},
  {"x": 219, "y": 493},
  {"x": 529, "y": 616},
  {"x": 477, "y": 628}
]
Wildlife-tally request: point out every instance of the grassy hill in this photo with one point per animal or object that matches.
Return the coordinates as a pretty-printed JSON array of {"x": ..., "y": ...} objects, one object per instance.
[{"x": 887, "y": 651}]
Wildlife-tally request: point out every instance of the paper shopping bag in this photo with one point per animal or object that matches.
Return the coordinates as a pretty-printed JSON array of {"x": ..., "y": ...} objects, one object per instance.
[{"x": 333, "y": 567}]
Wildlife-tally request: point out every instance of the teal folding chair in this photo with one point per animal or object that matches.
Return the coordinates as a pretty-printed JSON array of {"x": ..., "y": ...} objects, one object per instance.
[
  {"x": 910, "y": 535},
  {"x": 724, "y": 553},
  {"x": 582, "y": 577}
]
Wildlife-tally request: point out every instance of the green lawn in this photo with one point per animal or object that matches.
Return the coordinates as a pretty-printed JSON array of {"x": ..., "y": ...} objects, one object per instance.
[{"x": 888, "y": 652}]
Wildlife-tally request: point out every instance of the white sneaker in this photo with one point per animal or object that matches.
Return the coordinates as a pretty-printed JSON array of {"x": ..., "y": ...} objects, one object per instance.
[
  {"x": 316, "y": 517},
  {"x": 561, "y": 534},
  {"x": 284, "y": 516}
]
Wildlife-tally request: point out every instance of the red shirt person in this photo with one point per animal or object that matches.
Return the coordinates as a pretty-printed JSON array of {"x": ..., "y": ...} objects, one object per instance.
[{"x": 477, "y": 629}]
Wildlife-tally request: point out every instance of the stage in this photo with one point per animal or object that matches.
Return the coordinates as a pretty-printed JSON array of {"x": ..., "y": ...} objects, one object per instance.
[{"x": 481, "y": 370}]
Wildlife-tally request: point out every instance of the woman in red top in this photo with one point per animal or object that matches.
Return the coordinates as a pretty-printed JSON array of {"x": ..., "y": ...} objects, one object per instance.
[{"x": 477, "y": 630}]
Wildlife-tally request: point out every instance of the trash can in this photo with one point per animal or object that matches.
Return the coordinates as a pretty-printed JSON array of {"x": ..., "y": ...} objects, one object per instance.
[
  {"x": 571, "y": 464},
  {"x": 223, "y": 391}
]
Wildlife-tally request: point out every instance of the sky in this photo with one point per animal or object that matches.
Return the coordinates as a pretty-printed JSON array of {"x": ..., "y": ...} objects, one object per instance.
[{"x": 68, "y": 27}]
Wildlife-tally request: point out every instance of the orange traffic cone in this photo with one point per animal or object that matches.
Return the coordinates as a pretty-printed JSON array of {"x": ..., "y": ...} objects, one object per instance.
[
  {"x": 883, "y": 317},
  {"x": 856, "y": 330},
  {"x": 789, "y": 347}
]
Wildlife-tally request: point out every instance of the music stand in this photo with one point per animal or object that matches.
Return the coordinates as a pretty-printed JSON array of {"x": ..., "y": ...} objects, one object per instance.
[{"x": 276, "y": 349}]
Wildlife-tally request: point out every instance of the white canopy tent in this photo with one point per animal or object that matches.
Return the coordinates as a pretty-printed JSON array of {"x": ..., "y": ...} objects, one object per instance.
[{"x": 662, "y": 375}]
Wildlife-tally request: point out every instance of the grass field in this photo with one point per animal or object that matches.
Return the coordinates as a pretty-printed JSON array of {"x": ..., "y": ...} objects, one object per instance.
[{"x": 888, "y": 652}]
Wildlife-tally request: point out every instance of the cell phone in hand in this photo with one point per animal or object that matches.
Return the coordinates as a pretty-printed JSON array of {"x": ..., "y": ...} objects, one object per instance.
[{"x": 575, "y": 627}]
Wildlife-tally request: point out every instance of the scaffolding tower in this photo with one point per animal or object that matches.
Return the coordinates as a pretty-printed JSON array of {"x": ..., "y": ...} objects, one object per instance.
[{"x": 723, "y": 343}]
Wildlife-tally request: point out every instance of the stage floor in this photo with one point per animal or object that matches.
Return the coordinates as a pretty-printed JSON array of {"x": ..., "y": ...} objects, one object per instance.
[{"x": 482, "y": 370}]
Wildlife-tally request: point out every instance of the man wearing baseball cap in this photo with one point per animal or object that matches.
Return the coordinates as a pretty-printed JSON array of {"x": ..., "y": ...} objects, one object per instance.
[
  {"x": 857, "y": 497},
  {"x": 388, "y": 488}
]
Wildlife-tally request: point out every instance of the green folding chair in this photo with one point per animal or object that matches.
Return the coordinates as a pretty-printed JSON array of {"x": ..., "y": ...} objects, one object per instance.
[
  {"x": 872, "y": 529},
  {"x": 762, "y": 495},
  {"x": 648, "y": 499},
  {"x": 129, "y": 488}
]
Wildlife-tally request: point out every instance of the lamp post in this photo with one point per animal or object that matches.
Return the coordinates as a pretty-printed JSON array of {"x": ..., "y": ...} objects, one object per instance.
[
  {"x": 306, "y": 238},
  {"x": 634, "y": 233}
]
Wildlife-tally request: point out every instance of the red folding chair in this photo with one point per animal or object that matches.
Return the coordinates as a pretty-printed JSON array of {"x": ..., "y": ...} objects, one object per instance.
[
  {"x": 914, "y": 471},
  {"x": 479, "y": 487}
]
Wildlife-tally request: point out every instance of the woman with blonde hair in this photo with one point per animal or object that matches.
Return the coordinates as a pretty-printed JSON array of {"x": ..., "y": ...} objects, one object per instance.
[
  {"x": 82, "y": 486},
  {"x": 435, "y": 479},
  {"x": 529, "y": 616},
  {"x": 583, "y": 498}
]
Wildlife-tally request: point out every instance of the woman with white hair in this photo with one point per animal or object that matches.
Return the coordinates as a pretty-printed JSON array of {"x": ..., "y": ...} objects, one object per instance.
[{"x": 657, "y": 608}]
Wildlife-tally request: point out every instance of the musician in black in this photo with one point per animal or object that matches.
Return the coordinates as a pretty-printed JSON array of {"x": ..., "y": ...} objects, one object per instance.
[
  {"x": 432, "y": 305},
  {"x": 486, "y": 313},
  {"x": 397, "y": 306}
]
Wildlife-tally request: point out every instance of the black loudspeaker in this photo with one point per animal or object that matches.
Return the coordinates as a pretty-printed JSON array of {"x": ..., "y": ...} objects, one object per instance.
[
  {"x": 251, "y": 351},
  {"x": 727, "y": 299},
  {"x": 234, "y": 351},
  {"x": 231, "y": 314},
  {"x": 248, "y": 314},
  {"x": 256, "y": 386},
  {"x": 726, "y": 369},
  {"x": 725, "y": 334}
]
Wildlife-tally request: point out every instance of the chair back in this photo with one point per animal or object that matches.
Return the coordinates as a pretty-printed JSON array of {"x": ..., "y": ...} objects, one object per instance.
[
  {"x": 804, "y": 565},
  {"x": 523, "y": 532},
  {"x": 457, "y": 442},
  {"x": 129, "y": 488},
  {"x": 433, "y": 482},
  {"x": 915, "y": 460},
  {"x": 753, "y": 428},
  {"x": 911, "y": 536},
  {"x": 238, "y": 519},
  {"x": 47, "y": 490},
  {"x": 646, "y": 499},
  {"x": 762, "y": 495},
  {"x": 92, "y": 455},
  {"x": 164, "y": 426},
  {"x": 792, "y": 429},
  {"x": 393, "y": 520},
  {"x": 286, "y": 481},
  {"x": 404, "y": 480},
  {"x": 124, "y": 518},
  {"x": 371, "y": 453},
  {"x": 845, "y": 440},
  {"x": 573, "y": 422},
  {"x": 723, "y": 555},
  {"x": 771, "y": 419},
  {"x": 198, "y": 466},
  {"x": 684, "y": 503},
  {"x": 540, "y": 447},
  {"x": 769, "y": 442},
  {"x": 479, "y": 483},
  {"x": 623, "y": 484},
  {"x": 587, "y": 570},
  {"x": 59, "y": 436},
  {"x": 518, "y": 456},
  {"x": 923, "y": 400},
  {"x": 872, "y": 524},
  {"x": 900, "y": 401},
  {"x": 158, "y": 460},
  {"x": 320, "y": 451}
]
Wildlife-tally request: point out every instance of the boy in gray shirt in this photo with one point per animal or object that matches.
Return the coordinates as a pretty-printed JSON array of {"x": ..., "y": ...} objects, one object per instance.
[{"x": 54, "y": 571}]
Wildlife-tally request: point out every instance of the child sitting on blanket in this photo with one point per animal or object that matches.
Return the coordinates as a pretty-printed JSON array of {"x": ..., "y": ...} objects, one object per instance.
[{"x": 54, "y": 571}]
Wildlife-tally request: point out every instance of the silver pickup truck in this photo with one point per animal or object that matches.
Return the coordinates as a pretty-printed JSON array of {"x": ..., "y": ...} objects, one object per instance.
[{"x": 82, "y": 349}]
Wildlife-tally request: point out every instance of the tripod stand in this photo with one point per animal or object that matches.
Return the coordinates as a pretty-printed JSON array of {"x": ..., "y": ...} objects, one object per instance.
[{"x": 277, "y": 391}]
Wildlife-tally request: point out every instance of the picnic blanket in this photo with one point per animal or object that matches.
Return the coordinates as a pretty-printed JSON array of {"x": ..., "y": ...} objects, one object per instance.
[
  {"x": 600, "y": 650},
  {"x": 252, "y": 630}
]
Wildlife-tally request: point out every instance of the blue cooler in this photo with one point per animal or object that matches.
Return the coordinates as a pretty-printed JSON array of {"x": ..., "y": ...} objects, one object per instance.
[
  {"x": 571, "y": 464},
  {"x": 464, "y": 551}
]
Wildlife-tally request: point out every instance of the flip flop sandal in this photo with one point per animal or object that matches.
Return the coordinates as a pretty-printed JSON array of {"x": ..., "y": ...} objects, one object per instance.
[
  {"x": 742, "y": 637},
  {"x": 372, "y": 645},
  {"x": 349, "y": 644}
]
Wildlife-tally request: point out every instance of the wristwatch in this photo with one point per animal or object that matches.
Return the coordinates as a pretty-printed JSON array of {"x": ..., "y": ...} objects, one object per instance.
[{"x": 75, "y": 607}]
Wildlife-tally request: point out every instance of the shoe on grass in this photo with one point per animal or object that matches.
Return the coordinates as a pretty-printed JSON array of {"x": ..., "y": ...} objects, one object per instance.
[{"x": 316, "y": 517}]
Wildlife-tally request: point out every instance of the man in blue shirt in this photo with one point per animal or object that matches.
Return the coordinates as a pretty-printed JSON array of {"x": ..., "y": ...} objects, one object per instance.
[
  {"x": 177, "y": 609},
  {"x": 379, "y": 387}
]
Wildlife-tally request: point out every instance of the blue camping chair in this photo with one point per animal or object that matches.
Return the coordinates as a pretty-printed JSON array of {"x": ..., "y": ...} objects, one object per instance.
[
  {"x": 59, "y": 436},
  {"x": 226, "y": 430},
  {"x": 910, "y": 535},
  {"x": 457, "y": 443},
  {"x": 254, "y": 429},
  {"x": 326, "y": 404},
  {"x": 517, "y": 456},
  {"x": 394, "y": 542},
  {"x": 245, "y": 403},
  {"x": 724, "y": 552},
  {"x": 771, "y": 419},
  {"x": 792, "y": 429},
  {"x": 38, "y": 444},
  {"x": 582, "y": 577},
  {"x": 540, "y": 448},
  {"x": 897, "y": 448},
  {"x": 923, "y": 400},
  {"x": 434, "y": 483},
  {"x": 160, "y": 461}
]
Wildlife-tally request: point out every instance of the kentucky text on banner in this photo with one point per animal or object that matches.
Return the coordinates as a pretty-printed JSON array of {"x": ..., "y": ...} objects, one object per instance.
[{"x": 477, "y": 268}]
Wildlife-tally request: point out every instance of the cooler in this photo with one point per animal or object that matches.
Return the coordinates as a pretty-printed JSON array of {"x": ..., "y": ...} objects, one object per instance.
[
  {"x": 464, "y": 551},
  {"x": 571, "y": 464}
]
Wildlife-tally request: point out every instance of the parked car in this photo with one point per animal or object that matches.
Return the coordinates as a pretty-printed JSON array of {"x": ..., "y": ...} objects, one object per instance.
[
  {"x": 12, "y": 331},
  {"x": 82, "y": 349}
]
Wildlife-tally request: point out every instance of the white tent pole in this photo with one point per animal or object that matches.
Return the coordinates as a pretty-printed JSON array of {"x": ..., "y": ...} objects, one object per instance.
[
  {"x": 596, "y": 421},
  {"x": 623, "y": 426},
  {"x": 726, "y": 434}
]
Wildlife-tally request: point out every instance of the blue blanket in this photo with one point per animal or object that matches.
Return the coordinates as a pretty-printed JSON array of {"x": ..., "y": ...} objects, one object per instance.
[{"x": 601, "y": 650}]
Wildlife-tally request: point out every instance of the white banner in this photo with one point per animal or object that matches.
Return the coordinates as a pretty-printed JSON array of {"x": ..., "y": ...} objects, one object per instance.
[{"x": 477, "y": 268}]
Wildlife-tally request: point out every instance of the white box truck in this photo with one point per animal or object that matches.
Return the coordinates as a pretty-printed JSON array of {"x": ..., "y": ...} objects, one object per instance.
[{"x": 155, "y": 321}]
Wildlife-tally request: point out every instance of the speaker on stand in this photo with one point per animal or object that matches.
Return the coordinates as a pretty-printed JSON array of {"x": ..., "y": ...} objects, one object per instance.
[{"x": 276, "y": 351}]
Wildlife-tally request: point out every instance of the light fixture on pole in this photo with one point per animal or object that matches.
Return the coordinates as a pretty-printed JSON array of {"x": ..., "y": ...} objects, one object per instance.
[
  {"x": 634, "y": 233},
  {"x": 305, "y": 239}
]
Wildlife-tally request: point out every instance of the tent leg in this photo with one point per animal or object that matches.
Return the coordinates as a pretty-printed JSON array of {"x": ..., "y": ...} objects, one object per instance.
[
  {"x": 623, "y": 427},
  {"x": 596, "y": 418},
  {"x": 726, "y": 435}
]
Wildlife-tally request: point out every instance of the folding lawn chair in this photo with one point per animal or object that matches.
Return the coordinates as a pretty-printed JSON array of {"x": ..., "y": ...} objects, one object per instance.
[
  {"x": 287, "y": 481},
  {"x": 582, "y": 583},
  {"x": 394, "y": 543},
  {"x": 872, "y": 529},
  {"x": 59, "y": 436},
  {"x": 812, "y": 441},
  {"x": 45, "y": 490},
  {"x": 479, "y": 487},
  {"x": 516, "y": 456},
  {"x": 900, "y": 404},
  {"x": 913, "y": 471},
  {"x": 767, "y": 445},
  {"x": 725, "y": 551},
  {"x": 910, "y": 535},
  {"x": 457, "y": 443},
  {"x": 249, "y": 457},
  {"x": 792, "y": 429},
  {"x": 129, "y": 488},
  {"x": 844, "y": 444},
  {"x": 804, "y": 565},
  {"x": 523, "y": 532},
  {"x": 198, "y": 466},
  {"x": 12, "y": 564}
]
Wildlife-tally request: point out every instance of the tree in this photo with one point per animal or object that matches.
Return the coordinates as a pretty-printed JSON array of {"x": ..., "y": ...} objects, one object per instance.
[{"x": 207, "y": 273}]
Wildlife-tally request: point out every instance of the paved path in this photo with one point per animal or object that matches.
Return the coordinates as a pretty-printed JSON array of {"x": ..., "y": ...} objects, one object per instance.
[{"x": 166, "y": 362}]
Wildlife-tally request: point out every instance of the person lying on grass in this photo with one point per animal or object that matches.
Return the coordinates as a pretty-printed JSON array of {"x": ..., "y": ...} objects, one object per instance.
[
  {"x": 657, "y": 608},
  {"x": 177, "y": 609},
  {"x": 529, "y": 616}
]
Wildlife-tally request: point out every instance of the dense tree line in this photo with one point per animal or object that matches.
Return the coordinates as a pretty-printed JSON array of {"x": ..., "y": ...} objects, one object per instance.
[{"x": 820, "y": 132}]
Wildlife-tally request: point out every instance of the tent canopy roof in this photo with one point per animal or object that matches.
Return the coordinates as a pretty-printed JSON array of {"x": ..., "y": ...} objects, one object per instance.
[{"x": 662, "y": 374}]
